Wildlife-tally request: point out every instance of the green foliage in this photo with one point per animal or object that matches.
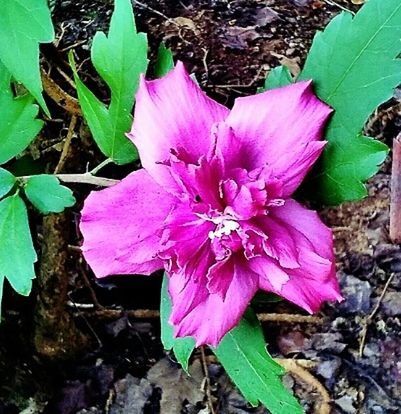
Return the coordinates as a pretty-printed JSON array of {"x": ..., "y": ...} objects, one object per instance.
[
  {"x": 18, "y": 123},
  {"x": 7, "y": 181},
  {"x": 119, "y": 59},
  {"x": 47, "y": 194},
  {"x": 182, "y": 347},
  {"x": 242, "y": 352},
  {"x": 263, "y": 297},
  {"x": 354, "y": 66},
  {"x": 23, "y": 25},
  {"x": 17, "y": 254},
  {"x": 164, "y": 61},
  {"x": 277, "y": 77},
  {"x": 18, "y": 128}
]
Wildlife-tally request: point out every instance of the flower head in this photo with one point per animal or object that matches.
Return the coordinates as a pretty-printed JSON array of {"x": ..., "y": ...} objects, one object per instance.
[{"x": 213, "y": 204}]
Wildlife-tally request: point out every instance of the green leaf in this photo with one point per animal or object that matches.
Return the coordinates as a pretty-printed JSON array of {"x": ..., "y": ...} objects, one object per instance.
[
  {"x": 119, "y": 59},
  {"x": 354, "y": 66},
  {"x": 7, "y": 181},
  {"x": 18, "y": 123},
  {"x": 23, "y": 25},
  {"x": 1, "y": 292},
  {"x": 263, "y": 297},
  {"x": 17, "y": 254},
  {"x": 242, "y": 352},
  {"x": 47, "y": 194},
  {"x": 182, "y": 347},
  {"x": 164, "y": 61},
  {"x": 277, "y": 77}
]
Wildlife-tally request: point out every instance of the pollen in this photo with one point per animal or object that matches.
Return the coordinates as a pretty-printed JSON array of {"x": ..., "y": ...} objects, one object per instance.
[{"x": 225, "y": 228}]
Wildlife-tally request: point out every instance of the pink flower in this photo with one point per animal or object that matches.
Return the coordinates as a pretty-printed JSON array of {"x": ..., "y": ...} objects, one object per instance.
[{"x": 213, "y": 204}]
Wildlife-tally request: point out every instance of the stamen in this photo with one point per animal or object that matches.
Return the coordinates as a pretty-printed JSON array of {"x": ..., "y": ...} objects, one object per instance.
[{"x": 226, "y": 228}]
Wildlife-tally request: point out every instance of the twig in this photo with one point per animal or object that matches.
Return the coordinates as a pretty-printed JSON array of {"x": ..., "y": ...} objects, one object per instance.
[
  {"x": 263, "y": 317},
  {"x": 73, "y": 46},
  {"x": 86, "y": 178},
  {"x": 248, "y": 85},
  {"x": 207, "y": 381},
  {"x": 66, "y": 77},
  {"x": 395, "y": 205},
  {"x": 369, "y": 319},
  {"x": 204, "y": 61},
  {"x": 333, "y": 3},
  {"x": 62, "y": 98},
  {"x": 88, "y": 285},
  {"x": 146, "y": 7},
  {"x": 118, "y": 313},
  {"x": 289, "y": 318},
  {"x": 96, "y": 336},
  {"x": 293, "y": 367},
  {"x": 66, "y": 146}
]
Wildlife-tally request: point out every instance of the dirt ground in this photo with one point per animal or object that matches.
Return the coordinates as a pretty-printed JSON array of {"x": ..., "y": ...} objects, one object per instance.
[{"x": 89, "y": 346}]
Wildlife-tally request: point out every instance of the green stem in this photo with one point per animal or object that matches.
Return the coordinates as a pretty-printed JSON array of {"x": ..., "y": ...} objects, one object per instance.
[{"x": 107, "y": 161}]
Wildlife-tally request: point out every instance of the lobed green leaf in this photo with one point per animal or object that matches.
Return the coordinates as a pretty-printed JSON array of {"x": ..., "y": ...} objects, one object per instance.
[
  {"x": 182, "y": 347},
  {"x": 119, "y": 58},
  {"x": 355, "y": 68},
  {"x": 7, "y": 181},
  {"x": 47, "y": 194},
  {"x": 164, "y": 61},
  {"x": 277, "y": 77},
  {"x": 17, "y": 254},
  {"x": 18, "y": 123},
  {"x": 23, "y": 26},
  {"x": 243, "y": 354}
]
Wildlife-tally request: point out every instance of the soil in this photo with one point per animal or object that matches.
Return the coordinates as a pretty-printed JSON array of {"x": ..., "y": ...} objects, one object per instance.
[{"x": 99, "y": 351}]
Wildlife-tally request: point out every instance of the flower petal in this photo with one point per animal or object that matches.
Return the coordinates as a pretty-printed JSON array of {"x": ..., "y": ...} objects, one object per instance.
[
  {"x": 208, "y": 317},
  {"x": 172, "y": 112},
  {"x": 185, "y": 243},
  {"x": 275, "y": 126},
  {"x": 292, "y": 167},
  {"x": 120, "y": 227},
  {"x": 279, "y": 244},
  {"x": 303, "y": 221},
  {"x": 315, "y": 280}
]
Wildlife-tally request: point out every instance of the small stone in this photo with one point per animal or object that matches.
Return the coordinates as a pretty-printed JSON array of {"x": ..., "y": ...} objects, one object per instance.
[
  {"x": 391, "y": 304},
  {"x": 329, "y": 369},
  {"x": 288, "y": 382},
  {"x": 346, "y": 404},
  {"x": 131, "y": 395},
  {"x": 356, "y": 293},
  {"x": 330, "y": 342},
  {"x": 292, "y": 343},
  {"x": 370, "y": 350},
  {"x": 377, "y": 410},
  {"x": 265, "y": 16}
]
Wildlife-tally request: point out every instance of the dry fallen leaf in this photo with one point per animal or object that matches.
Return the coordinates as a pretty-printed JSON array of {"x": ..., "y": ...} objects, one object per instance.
[
  {"x": 176, "y": 385},
  {"x": 292, "y": 64},
  {"x": 187, "y": 23}
]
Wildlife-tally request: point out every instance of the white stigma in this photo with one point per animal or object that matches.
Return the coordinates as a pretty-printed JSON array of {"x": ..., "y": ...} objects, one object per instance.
[{"x": 226, "y": 228}]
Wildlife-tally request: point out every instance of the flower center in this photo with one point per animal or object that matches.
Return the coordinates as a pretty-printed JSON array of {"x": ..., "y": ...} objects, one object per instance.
[{"x": 224, "y": 227}]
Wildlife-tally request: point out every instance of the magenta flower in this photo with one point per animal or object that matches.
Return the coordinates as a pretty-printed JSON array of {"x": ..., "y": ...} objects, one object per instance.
[{"x": 213, "y": 204}]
